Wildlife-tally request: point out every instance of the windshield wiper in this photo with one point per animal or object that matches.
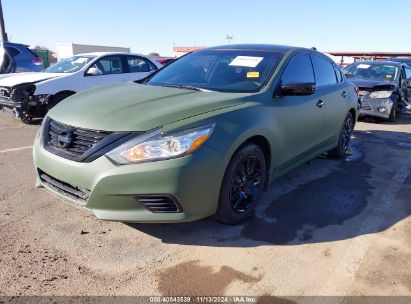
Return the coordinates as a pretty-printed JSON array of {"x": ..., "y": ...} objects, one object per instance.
[{"x": 183, "y": 87}]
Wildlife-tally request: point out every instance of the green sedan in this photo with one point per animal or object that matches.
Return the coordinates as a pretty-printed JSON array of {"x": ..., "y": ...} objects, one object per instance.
[{"x": 203, "y": 136}]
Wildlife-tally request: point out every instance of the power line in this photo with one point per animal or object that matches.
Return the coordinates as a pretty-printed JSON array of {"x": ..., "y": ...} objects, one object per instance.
[{"x": 2, "y": 28}]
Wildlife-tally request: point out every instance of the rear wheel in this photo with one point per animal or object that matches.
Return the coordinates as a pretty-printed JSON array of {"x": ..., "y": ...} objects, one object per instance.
[
  {"x": 242, "y": 185},
  {"x": 345, "y": 137}
]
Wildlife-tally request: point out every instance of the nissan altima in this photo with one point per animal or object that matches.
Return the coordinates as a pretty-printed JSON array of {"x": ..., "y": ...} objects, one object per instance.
[{"x": 203, "y": 136}]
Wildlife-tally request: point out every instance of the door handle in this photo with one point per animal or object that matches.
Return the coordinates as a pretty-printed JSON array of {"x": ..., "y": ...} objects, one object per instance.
[
  {"x": 344, "y": 94},
  {"x": 320, "y": 104}
]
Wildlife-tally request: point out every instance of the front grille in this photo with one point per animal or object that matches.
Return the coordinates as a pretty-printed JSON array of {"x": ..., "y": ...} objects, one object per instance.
[
  {"x": 81, "y": 145},
  {"x": 159, "y": 203},
  {"x": 73, "y": 140},
  {"x": 79, "y": 194}
]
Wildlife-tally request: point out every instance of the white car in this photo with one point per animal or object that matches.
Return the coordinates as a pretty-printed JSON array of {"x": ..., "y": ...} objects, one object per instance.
[{"x": 28, "y": 95}]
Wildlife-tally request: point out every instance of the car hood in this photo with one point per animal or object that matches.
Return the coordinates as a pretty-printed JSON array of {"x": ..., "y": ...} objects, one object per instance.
[
  {"x": 18, "y": 78},
  {"x": 134, "y": 107},
  {"x": 370, "y": 83}
]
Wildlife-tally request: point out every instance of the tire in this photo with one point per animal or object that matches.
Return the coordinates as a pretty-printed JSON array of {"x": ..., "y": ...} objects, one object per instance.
[
  {"x": 55, "y": 99},
  {"x": 393, "y": 113},
  {"x": 27, "y": 119},
  {"x": 344, "y": 139},
  {"x": 241, "y": 190}
]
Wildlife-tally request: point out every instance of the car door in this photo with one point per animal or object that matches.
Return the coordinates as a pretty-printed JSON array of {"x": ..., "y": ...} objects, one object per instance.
[
  {"x": 333, "y": 93},
  {"x": 111, "y": 69},
  {"x": 407, "y": 83},
  {"x": 139, "y": 67},
  {"x": 300, "y": 119}
]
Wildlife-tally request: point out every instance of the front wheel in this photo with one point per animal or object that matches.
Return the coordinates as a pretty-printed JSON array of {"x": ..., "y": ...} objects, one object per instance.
[
  {"x": 242, "y": 185},
  {"x": 345, "y": 138},
  {"x": 393, "y": 113}
]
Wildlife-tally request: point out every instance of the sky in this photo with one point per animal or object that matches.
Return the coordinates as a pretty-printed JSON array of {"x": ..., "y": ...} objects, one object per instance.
[{"x": 155, "y": 26}]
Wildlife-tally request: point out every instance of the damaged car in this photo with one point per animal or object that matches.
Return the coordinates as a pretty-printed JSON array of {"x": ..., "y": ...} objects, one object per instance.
[
  {"x": 31, "y": 95},
  {"x": 384, "y": 87}
]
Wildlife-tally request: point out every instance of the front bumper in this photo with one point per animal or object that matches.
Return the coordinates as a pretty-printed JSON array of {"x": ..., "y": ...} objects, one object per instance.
[
  {"x": 370, "y": 107},
  {"x": 193, "y": 181},
  {"x": 10, "y": 104}
]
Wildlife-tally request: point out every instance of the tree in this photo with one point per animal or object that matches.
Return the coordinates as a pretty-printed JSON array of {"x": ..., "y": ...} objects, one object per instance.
[
  {"x": 154, "y": 54},
  {"x": 40, "y": 47}
]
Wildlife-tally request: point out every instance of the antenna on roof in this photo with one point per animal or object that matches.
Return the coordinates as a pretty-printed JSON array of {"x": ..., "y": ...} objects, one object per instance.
[{"x": 314, "y": 48}]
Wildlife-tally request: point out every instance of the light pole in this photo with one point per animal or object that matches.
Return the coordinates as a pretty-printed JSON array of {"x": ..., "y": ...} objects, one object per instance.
[
  {"x": 229, "y": 38},
  {"x": 2, "y": 28}
]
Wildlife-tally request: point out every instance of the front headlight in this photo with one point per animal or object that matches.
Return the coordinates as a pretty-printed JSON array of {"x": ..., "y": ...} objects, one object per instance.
[
  {"x": 381, "y": 94},
  {"x": 154, "y": 145},
  {"x": 39, "y": 134}
]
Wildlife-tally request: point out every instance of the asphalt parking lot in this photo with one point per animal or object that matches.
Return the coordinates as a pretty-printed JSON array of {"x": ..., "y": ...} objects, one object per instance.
[{"x": 327, "y": 228}]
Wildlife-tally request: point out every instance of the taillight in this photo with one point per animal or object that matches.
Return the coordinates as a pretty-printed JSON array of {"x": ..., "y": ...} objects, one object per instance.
[{"x": 37, "y": 61}]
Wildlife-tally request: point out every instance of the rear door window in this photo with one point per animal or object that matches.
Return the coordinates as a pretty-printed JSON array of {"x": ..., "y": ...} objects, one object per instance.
[
  {"x": 138, "y": 65},
  {"x": 325, "y": 71},
  {"x": 13, "y": 52},
  {"x": 299, "y": 70},
  {"x": 110, "y": 65},
  {"x": 339, "y": 74}
]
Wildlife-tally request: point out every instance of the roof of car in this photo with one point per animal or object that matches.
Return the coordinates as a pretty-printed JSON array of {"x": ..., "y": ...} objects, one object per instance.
[
  {"x": 259, "y": 47},
  {"x": 401, "y": 59},
  {"x": 13, "y": 43},
  {"x": 107, "y": 53}
]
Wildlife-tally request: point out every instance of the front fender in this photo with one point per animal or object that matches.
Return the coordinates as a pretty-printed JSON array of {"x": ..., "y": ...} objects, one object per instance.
[
  {"x": 57, "y": 84},
  {"x": 234, "y": 126}
]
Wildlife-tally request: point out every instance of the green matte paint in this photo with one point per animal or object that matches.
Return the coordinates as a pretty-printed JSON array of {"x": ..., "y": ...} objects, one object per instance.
[{"x": 294, "y": 127}]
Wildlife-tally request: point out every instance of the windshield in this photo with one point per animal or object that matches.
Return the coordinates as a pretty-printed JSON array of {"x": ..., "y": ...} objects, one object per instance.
[
  {"x": 219, "y": 70},
  {"x": 69, "y": 65},
  {"x": 373, "y": 71}
]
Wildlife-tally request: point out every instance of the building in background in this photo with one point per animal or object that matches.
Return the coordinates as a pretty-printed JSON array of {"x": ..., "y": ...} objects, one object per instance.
[
  {"x": 64, "y": 50},
  {"x": 182, "y": 50}
]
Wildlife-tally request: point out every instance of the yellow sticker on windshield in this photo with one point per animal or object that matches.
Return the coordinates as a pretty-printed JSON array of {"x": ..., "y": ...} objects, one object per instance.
[
  {"x": 253, "y": 74},
  {"x": 388, "y": 76}
]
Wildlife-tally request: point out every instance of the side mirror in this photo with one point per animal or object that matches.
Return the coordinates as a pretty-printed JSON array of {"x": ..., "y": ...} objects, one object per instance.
[
  {"x": 297, "y": 89},
  {"x": 94, "y": 72}
]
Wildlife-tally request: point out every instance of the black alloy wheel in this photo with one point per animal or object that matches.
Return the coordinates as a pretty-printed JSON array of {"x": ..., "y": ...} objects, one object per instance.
[
  {"x": 245, "y": 184},
  {"x": 242, "y": 185},
  {"x": 347, "y": 132},
  {"x": 345, "y": 137}
]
